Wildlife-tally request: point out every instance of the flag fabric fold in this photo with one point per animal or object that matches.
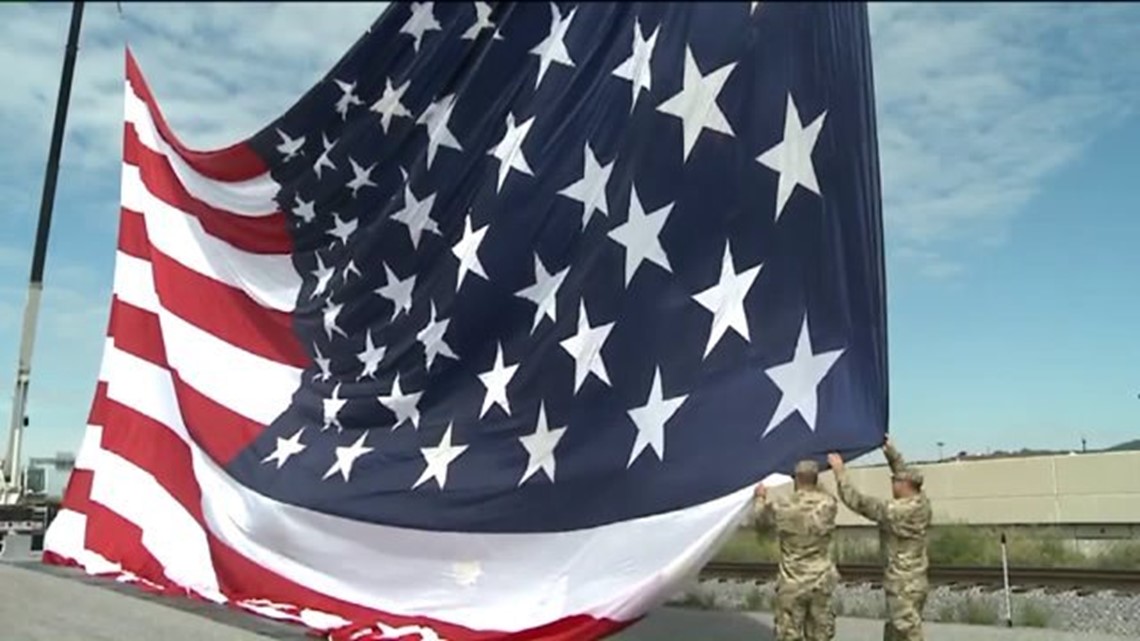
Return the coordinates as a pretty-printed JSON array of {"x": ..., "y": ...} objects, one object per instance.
[{"x": 491, "y": 333}]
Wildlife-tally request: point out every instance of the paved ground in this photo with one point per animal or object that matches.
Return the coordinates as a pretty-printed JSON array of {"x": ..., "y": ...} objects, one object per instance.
[{"x": 42, "y": 603}]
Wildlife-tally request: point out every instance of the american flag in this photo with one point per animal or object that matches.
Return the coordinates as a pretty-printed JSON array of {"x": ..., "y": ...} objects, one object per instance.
[{"x": 490, "y": 334}]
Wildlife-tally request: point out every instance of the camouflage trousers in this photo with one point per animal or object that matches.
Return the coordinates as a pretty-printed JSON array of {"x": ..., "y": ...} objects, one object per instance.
[
  {"x": 805, "y": 615},
  {"x": 904, "y": 614}
]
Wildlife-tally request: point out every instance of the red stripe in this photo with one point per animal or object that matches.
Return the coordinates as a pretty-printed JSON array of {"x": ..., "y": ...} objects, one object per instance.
[
  {"x": 120, "y": 541},
  {"x": 256, "y": 234},
  {"x": 77, "y": 496},
  {"x": 235, "y": 163},
  {"x": 133, "y": 240},
  {"x": 220, "y": 432},
  {"x": 137, "y": 331},
  {"x": 95, "y": 417},
  {"x": 224, "y": 311}
]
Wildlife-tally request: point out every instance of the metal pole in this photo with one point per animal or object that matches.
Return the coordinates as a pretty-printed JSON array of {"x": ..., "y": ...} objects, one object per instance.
[
  {"x": 12, "y": 473},
  {"x": 1005, "y": 578}
]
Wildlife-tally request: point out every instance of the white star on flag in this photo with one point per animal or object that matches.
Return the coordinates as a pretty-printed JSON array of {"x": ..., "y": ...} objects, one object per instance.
[
  {"x": 389, "y": 105},
  {"x": 791, "y": 157},
  {"x": 329, "y": 315},
  {"x": 290, "y": 147},
  {"x": 553, "y": 47},
  {"x": 799, "y": 379},
  {"x": 323, "y": 275},
  {"x": 286, "y": 447},
  {"x": 305, "y": 210},
  {"x": 466, "y": 249},
  {"x": 640, "y": 235},
  {"x": 544, "y": 292},
  {"x": 725, "y": 300},
  {"x": 405, "y": 406},
  {"x": 416, "y": 215},
  {"x": 421, "y": 21},
  {"x": 650, "y": 420},
  {"x": 438, "y": 459},
  {"x": 370, "y": 358},
  {"x": 361, "y": 177},
  {"x": 509, "y": 150},
  {"x": 351, "y": 268},
  {"x": 432, "y": 338},
  {"x": 637, "y": 68},
  {"x": 346, "y": 458},
  {"x": 696, "y": 104},
  {"x": 323, "y": 364},
  {"x": 586, "y": 349},
  {"x": 591, "y": 189},
  {"x": 399, "y": 292},
  {"x": 435, "y": 119},
  {"x": 332, "y": 407},
  {"x": 540, "y": 446},
  {"x": 324, "y": 160},
  {"x": 482, "y": 21},
  {"x": 348, "y": 98},
  {"x": 342, "y": 230},
  {"x": 496, "y": 380}
]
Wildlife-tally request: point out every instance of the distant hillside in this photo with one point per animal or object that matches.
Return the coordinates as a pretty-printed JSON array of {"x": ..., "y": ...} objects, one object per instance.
[{"x": 1127, "y": 446}]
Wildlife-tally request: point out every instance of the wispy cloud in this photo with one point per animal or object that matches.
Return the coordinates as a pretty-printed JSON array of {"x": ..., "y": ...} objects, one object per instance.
[
  {"x": 980, "y": 104},
  {"x": 220, "y": 70}
]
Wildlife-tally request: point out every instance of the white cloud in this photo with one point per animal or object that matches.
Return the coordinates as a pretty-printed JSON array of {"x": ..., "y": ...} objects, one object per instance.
[
  {"x": 980, "y": 104},
  {"x": 220, "y": 72}
]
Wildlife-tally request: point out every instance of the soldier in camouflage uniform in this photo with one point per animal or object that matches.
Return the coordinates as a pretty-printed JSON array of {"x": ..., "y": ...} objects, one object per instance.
[
  {"x": 903, "y": 524},
  {"x": 804, "y": 522}
]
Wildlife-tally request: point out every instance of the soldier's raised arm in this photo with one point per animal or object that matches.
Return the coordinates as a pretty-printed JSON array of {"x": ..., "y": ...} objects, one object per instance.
[
  {"x": 867, "y": 506},
  {"x": 894, "y": 457},
  {"x": 762, "y": 515}
]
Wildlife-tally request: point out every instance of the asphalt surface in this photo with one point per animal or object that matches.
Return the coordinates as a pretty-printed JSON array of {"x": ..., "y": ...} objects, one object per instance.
[{"x": 42, "y": 603}]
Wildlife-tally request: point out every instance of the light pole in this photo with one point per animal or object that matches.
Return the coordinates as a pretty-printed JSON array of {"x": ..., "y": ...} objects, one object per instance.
[{"x": 940, "y": 444}]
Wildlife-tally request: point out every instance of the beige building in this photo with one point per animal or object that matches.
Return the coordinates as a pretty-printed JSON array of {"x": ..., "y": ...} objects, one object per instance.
[{"x": 1092, "y": 495}]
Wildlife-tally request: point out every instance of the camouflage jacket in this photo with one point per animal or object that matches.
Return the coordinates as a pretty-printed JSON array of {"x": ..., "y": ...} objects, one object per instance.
[
  {"x": 903, "y": 526},
  {"x": 804, "y": 522}
]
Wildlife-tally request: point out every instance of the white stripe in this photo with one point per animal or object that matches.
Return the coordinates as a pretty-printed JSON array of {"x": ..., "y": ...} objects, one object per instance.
[
  {"x": 527, "y": 580},
  {"x": 92, "y": 435},
  {"x": 269, "y": 279},
  {"x": 251, "y": 198},
  {"x": 251, "y": 385},
  {"x": 248, "y": 384},
  {"x": 134, "y": 282}
]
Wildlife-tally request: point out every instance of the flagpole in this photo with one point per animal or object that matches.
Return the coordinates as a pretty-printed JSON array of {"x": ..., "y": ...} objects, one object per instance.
[{"x": 13, "y": 489}]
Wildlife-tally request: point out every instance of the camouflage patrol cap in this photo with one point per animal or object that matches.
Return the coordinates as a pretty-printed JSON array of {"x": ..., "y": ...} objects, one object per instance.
[
  {"x": 806, "y": 466},
  {"x": 910, "y": 475}
]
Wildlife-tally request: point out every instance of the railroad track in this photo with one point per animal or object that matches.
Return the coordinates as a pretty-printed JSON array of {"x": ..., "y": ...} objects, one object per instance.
[{"x": 1084, "y": 580}]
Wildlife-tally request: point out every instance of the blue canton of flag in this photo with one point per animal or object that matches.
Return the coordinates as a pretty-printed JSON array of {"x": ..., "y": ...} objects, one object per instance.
[{"x": 569, "y": 265}]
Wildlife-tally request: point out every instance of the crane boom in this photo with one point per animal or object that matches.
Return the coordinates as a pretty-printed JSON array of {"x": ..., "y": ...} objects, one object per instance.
[{"x": 12, "y": 491}]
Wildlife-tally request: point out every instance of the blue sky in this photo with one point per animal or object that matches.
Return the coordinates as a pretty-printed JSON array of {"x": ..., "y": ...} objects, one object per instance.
[{"x": 1007, "y": 136}]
